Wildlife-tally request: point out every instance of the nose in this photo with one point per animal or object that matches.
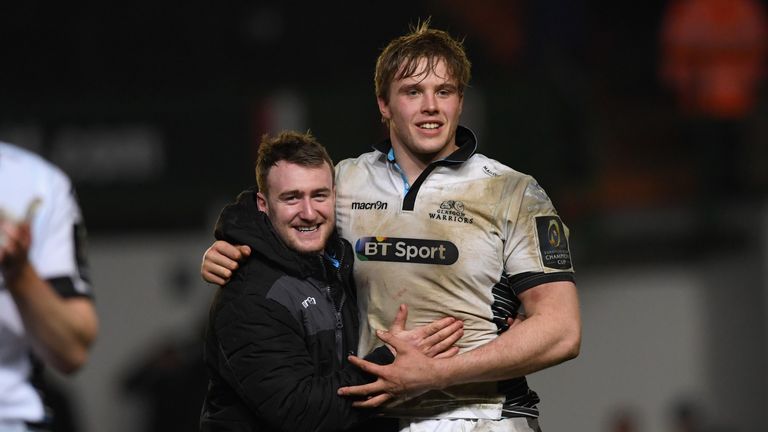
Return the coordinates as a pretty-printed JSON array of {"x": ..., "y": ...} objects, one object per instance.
[
  {"x": 429, "y": 102},
  {"x": 307, "y": 210}
]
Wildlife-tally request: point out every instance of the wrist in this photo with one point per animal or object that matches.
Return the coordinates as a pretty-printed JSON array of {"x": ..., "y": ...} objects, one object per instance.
[
  {"x": 441, "y": 374},
  {"x": 15, "y": 273}
]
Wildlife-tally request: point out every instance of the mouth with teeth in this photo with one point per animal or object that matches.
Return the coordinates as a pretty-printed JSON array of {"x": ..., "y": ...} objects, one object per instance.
[
  {"x": 429, "y": 125},
  {"x": 305, "y": 229}
]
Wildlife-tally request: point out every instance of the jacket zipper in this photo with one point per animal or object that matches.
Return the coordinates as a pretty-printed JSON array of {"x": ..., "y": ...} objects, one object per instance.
[
  {"x": 339, "y": 323},
  {"x": 337, "y": 310}
]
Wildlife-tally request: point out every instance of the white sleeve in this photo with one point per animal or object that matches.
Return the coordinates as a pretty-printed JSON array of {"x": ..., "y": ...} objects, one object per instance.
[
  {"x": 536, "y": 238},
  {"x": 58, "y": 241}
]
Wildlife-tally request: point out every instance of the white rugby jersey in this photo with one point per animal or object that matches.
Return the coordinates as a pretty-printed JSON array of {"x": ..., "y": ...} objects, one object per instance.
[
  {"x": 56, "y": 255},
  {"x": 463, "y": 240}
]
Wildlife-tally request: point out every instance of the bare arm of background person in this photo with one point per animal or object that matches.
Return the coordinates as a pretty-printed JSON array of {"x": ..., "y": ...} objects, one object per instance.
[{"x": 61, "y": 329}]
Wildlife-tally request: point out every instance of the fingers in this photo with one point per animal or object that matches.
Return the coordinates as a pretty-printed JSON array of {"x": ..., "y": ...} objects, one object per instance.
[
  {"x": 213, "y": 272},
  {"x": 16, "y": 237},
  {"x": 32, "y": 208},
  {"x": 373, "y": 402},
  {"x": 245, "y": 250},
  {"x": 436, "y": 326},
  {"x": 513, "y": 321},
  {"x": 378, "y": 386},
  {"x": 360, "y": 390},
  {"x": 230, "y": 251},
  {"x": 6, "y": 236},
  {"x": 224, "y": 254},
  {"x": 390, "y": 339},
  {"x": 16, "y": 240},
  {"x": 220, "y": 260},
  {"x": 4, "y": 240},
  {"x": 450, "y": 352},
  {"x": 399, "y": 323},
  {"x": 444, "y": 339},
  {"x": 365, "y": 366},
  {"x": 444, "y": 332},
  {"x": 212, "y": 278}
]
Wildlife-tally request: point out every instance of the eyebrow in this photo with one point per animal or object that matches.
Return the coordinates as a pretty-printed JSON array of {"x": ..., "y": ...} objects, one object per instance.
[
  {"x": 448, "y": 86},
  {"x": 419, "y": 86},
  {"x": 409, "y": 87},
  {"x": 293, "y": 192}
]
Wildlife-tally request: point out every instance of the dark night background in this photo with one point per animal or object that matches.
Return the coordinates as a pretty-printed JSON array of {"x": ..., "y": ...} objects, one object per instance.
[{"x": 569, "y": 91}]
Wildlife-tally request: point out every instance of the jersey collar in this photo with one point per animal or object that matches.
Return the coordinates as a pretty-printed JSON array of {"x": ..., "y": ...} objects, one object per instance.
[{"x": 465, "y": 139}]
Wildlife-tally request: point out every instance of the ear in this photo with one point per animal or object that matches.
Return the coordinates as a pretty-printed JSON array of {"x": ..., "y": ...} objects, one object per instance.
[
  {"x": 261, "y": 202},
  {"x": 383, "y": 108}
]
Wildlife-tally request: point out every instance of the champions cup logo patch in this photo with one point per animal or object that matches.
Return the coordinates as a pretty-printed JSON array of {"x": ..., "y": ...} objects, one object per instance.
[
  {"x": 406, "y": 250},
  {"x": 451, "y": 211},
  {"x": 553, "y": 243}
]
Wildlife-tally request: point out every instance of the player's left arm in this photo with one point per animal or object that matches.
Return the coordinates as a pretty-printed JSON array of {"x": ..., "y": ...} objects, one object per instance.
[
  {"x": 550, "y": 334},
  {"x": 538, "y": 258}
]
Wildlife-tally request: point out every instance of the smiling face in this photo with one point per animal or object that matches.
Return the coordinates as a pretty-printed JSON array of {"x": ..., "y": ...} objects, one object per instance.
[
  {"x": 300, "y": 202},
  {"x": 423, "y": 112}
]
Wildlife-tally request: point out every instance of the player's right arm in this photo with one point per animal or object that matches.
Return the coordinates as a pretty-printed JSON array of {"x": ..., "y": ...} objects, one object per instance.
[{"x": 220, "y": 260}]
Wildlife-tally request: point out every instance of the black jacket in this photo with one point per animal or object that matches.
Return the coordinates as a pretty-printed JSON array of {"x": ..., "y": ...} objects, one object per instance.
[{"x": 279, "y": 333}]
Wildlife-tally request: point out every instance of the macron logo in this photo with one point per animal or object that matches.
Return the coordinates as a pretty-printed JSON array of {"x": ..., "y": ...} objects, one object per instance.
[
  {"x": 308, "y": 301},
  {"x": 378, "y": 205}
]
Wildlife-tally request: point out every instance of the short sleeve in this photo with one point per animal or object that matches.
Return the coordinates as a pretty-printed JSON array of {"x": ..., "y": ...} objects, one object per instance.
[
  {"x": 536, "y": 239},
  {"x": 58, "y": 239}
]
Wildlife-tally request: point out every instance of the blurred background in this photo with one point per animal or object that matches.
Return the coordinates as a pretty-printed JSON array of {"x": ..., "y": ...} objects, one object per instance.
[{"x": 646, "y": 122}]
